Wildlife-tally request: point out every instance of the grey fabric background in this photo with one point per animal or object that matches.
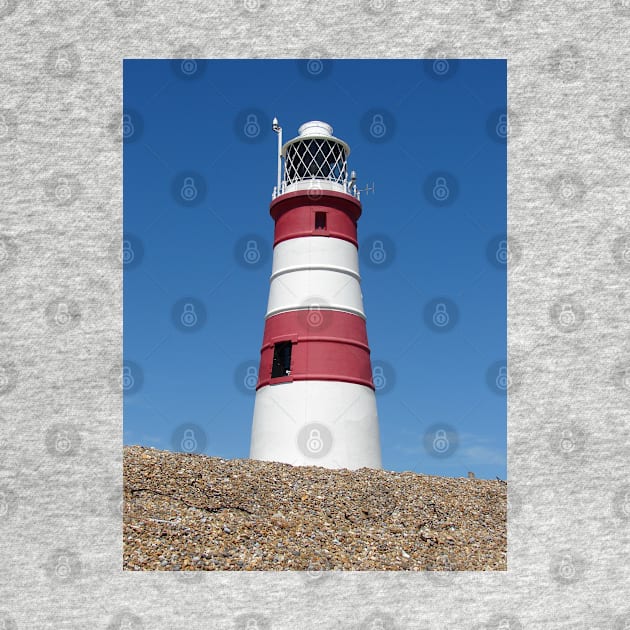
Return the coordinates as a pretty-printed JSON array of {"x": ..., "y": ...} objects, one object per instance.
[{"x": 570, "y": 385}]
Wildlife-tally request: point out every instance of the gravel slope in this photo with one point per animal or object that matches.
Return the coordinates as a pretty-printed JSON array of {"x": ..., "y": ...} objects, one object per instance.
[{"x": 187, "y": 512}]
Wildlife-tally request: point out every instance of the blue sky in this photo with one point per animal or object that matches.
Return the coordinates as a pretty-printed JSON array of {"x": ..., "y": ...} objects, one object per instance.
[{"x": 199, "y": 168}]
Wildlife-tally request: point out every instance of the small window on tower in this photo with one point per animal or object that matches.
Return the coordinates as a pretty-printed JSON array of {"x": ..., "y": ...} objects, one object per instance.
[
  {"x": 281, "y": 359},
  {"x": 320, "y": 220}
]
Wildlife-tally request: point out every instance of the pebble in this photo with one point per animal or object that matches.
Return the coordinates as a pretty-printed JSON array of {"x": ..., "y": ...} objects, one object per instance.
[{"x": 192, "y": 512}]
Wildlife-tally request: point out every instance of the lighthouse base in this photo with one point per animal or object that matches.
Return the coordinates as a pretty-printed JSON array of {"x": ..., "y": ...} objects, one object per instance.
[{"x": 316, "y": 423}]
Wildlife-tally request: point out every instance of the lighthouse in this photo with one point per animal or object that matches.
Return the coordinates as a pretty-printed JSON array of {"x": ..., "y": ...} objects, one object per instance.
[{"x": 315, "y": 401}]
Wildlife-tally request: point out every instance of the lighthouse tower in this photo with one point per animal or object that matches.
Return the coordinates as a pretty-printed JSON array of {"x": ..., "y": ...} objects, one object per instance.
[{"x": 315, "y": 402}]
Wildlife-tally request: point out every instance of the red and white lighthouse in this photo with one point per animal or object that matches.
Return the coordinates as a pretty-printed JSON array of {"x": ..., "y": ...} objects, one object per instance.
[{"x": 315, "y": 401}]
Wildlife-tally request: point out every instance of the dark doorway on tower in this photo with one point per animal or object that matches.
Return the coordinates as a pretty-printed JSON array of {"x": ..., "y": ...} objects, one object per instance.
[{"x": 281, "y": 359}]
